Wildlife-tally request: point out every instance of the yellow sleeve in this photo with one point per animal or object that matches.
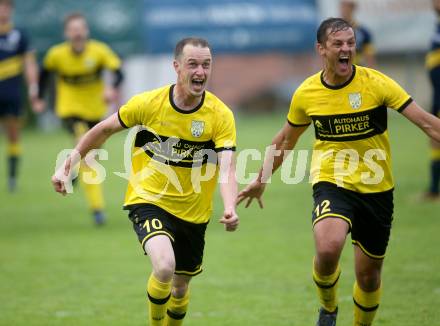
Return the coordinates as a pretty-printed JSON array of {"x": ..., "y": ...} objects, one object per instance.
[
  {"x": 110, "y": 59},
  {"x": 297, "y": 117},
  {"x": 225, "y": 136},
  {"x": 394, "y": 96},
  {"x": 49, "y": 61},
  {"x": 131, "y": 113}
]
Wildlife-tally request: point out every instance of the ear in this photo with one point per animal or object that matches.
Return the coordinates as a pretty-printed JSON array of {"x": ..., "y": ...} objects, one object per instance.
[
  {"x": 176, "y": 65},
  {"x": 320, "y": 49}
]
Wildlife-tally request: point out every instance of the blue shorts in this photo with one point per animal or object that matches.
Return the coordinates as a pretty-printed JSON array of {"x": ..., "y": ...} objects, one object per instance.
[{"x": 10, "y": 108}]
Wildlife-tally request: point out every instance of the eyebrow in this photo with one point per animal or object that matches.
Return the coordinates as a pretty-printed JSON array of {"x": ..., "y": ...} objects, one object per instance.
[{"x": 195, "y": 60}]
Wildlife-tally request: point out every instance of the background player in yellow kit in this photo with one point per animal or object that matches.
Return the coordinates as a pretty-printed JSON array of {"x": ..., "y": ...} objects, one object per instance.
[
  {"x": 16, "y": 57},
  {"x": 351, "y": 166},
  {"x": 81, "y": 96},
  {"x": 185, "y": 139}
]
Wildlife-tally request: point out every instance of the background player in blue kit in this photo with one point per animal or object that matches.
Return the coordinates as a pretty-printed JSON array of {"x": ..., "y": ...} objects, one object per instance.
[{"x": 16, "y": 57}]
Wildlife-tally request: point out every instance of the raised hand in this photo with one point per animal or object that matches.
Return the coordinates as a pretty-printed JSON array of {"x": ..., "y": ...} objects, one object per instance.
[{"x": 253, "y": 190}]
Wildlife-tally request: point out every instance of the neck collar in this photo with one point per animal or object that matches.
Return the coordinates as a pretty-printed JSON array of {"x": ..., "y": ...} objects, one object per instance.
[
  {"x": 353, "y": 73},
  {"x": 175, "y": 107}
]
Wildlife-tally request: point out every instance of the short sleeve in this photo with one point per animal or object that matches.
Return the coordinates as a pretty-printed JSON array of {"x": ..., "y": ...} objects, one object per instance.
[
  {"x": 130, "y": 114},
  {"x": 111, "y": 60},
  {"x": 394, "y": 97},
  {"x": 225, "y": 136},
  {"x": 297, "y": 117},
  {"x": 49, "y": 61}
]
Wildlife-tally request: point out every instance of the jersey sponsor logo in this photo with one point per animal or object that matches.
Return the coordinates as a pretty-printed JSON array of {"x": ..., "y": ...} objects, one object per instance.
[
  {"x": 197, "y": 128},
  {"x": 320, "y": 127},
  {"x": 355, "y": 100},
  {"x": 352, "y": 126},
  {"x": 175, "y": 151}
]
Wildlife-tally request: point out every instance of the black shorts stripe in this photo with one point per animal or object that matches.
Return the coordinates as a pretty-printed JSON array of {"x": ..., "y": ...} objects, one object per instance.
[
  {"x": 175, "y": 315},
  {"x": 158, "y": 301},
  {"x": 366, "y": 309}
]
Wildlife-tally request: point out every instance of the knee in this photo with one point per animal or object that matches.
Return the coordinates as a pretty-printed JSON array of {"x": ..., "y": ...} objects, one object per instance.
[
  {"x": 329, "y": 251},
  {"x": 368, "y": 280},
  {"x": 164, "y": 269},
  {"x": 180, "y": 290}
]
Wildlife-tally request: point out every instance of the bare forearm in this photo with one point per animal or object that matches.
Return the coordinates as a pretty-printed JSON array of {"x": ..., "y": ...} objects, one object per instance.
[
  {"x": 229, "y": 191},
  {"x": 31, "y": 74},
  {"x": 274, "y": 158},
  {"x": 93, "y": 139},
  {"x": 429, "y": 123},
  {"x": 97, "y": 136},
  {"x": 432, "y": 128}
]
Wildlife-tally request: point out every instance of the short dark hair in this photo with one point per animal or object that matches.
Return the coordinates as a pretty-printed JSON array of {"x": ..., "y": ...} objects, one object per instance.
[
  {"x": 334, "y": 24},
  {"x": 73, "y": 16},
  {"x": 196, "y": 41},
  {"x": 9, "y": 3}
]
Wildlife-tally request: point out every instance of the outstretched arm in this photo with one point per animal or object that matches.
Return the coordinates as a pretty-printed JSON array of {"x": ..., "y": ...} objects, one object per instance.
[
  {"x": 228, "y": 189},
  {"x": 94, "y": 138},
  {"x": 283, "y": 142},
  {"x": 429, "y": 123}
]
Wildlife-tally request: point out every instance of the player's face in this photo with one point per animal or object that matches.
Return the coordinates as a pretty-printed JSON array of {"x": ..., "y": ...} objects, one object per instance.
[
  {"x": 338, "y": 52},
  {"x": 77, "y": 31},
  {"x": 193, "y": 69},
  {"x": 5, "y": 13}
]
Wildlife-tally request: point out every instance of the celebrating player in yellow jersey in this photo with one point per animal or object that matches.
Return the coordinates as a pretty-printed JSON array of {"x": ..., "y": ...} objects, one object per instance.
[
  {"x": 81, "y": 96},
  {"x": 351, "y": 165},
  {"x": 185, "y": 140}
]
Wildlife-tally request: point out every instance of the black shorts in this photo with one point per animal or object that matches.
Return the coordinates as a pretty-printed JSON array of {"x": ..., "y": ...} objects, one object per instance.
[
  {"x": 78, "y": 126},
  {"x": 11, "y": 108},
  {"x": 187, "y": 239},
  {"x": 369, "y": 215}
]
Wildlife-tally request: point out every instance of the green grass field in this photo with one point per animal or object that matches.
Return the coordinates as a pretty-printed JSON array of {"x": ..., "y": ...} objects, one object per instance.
[{"x": 57, "y": 268}]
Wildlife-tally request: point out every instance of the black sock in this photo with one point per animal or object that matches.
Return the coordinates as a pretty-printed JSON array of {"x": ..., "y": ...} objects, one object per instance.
[
  {"x": 13, "y": 167},
  {"x": 435, "y": 177}
]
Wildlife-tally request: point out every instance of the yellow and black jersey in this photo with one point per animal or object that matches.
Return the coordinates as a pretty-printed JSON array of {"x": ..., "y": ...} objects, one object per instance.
[
  {"x": 350, "y": 121},
  {"x": 174, "y": 160},
  {"x": 79, "y": 80}
]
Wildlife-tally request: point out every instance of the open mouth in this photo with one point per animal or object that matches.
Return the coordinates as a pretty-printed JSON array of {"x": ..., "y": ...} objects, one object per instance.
[
  {"x": 198, "y": 83},
  {"x": 344, "y": 61}
]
